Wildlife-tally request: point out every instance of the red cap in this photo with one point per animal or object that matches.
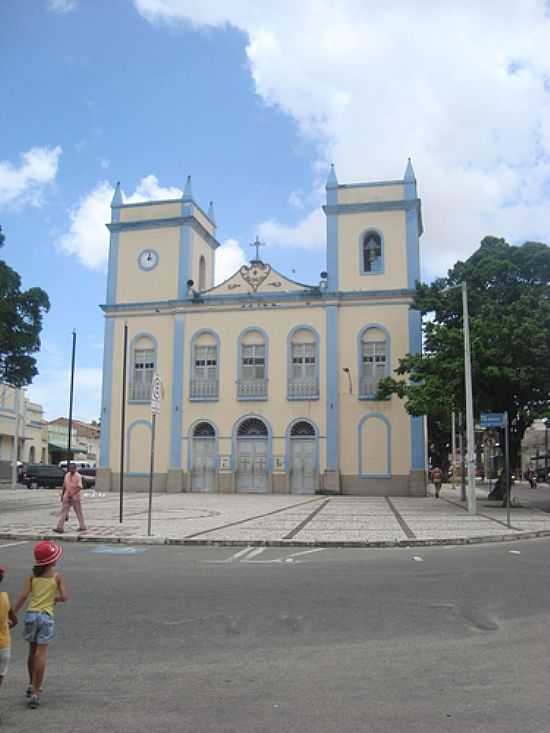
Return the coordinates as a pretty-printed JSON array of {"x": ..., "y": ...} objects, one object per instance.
[
  {"x": 2, "y": 570},
  {"x": 47, "y": 552}
]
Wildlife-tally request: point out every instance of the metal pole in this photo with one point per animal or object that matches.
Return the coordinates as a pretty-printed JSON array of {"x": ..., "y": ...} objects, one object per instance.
[
  {"x": 546, "y": 450},
  {"x": 453, "y": 443},
  {"x": 507, "y": 465},
  {"x": 151, "y": 474},
  {"x": 469, "y": 404},
  {"x": 71, "y": 400},
  {"x": 462, "y": 456},
  {"x": 123, "y": 423},
  {"x": 15, "y": 453}
]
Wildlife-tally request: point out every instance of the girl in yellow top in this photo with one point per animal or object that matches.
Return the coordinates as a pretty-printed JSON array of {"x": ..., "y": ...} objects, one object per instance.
[
  {"x": 8, "y": 619},
  {"x": 46, "y": 588}
]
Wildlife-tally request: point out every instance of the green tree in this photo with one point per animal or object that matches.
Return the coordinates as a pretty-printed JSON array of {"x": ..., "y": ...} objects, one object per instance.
[
  {"x": 21, "y": 313},
  {"x": 509, "y": 307}
]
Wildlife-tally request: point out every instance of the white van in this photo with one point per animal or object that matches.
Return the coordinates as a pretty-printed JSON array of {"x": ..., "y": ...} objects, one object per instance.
[{"x": 79, "y": 464}]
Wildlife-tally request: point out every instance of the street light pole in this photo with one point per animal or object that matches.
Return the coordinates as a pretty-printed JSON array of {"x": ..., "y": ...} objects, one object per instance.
[{"x": 469, "y": 403}]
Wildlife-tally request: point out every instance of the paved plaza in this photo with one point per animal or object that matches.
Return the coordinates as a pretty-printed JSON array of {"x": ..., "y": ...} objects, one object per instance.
[{"x": 278, "y": 520}]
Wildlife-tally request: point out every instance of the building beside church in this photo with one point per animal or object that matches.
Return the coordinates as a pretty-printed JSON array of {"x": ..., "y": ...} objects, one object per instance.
[{"x": 269, "y": 384}]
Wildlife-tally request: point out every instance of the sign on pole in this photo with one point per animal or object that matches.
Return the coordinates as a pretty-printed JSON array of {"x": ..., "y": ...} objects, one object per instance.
[
  {"x": 156, "y": 396},
  {"x": 492, "y": 419}
]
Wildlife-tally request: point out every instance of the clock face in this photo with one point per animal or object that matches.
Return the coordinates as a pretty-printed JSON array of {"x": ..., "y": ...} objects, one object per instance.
[{"x": 148, "y": 259}]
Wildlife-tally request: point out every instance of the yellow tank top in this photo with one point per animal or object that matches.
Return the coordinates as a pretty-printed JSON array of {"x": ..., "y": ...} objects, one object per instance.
[
  {"x": 44, "y": 591},
  {"x": 5, "y": 638}
]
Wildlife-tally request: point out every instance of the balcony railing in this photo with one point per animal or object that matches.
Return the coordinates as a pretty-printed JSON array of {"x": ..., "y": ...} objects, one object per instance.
[
  {"x": 253, "y": 389},
  {"x": 303, "y": 390},
  {"x": 139, "y": 391},
  {"x": 368, "y": 388},
  {"x": 204, "y": 389}
]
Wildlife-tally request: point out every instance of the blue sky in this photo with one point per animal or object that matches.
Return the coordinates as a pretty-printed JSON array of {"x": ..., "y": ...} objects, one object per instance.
[{"x": 254, "y": 101}]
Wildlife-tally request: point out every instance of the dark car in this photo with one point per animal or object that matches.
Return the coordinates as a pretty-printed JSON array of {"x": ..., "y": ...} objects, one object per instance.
[{"x": 38, "y": 475}]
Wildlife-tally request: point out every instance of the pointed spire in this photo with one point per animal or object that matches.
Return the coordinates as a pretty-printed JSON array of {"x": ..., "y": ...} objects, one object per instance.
[
  {"x": 188, "y": 192},
  {"x": 117, "y": 196},
  {"x": 332, "y": 181},
  {"x": 211, "y": 213},
  {"x": 409, "y": 172}
]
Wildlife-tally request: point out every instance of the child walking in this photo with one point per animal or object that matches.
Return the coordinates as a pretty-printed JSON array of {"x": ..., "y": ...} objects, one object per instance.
[
  {"x": 8, "y": 620},
  {"x": 46, "y": 588}
]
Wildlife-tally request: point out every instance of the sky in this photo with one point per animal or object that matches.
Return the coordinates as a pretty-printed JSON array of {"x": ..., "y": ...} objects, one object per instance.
[{"x": 254, "y": 99}]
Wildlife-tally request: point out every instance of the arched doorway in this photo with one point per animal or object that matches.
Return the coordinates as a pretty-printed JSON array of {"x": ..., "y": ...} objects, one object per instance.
[
  {"x": 252, "y": 459},
  {"x": 303, "y": 458},
  {"x": 203, "y": 458}
]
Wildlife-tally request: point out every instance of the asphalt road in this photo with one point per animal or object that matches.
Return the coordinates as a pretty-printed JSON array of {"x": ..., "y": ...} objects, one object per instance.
[{"x": 267, "y": 640}]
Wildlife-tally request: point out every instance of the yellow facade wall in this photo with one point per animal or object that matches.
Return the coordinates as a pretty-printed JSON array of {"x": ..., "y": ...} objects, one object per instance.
[
  {"x": 137, "y": 285},
  {"x": 150, "y": 211},
  {"x": 370, "y": 194}
]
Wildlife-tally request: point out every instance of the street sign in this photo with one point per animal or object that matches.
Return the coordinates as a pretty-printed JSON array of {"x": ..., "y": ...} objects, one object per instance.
[
  {"x": 492, "y": 420},
  {"x": 156, "y": 395}
]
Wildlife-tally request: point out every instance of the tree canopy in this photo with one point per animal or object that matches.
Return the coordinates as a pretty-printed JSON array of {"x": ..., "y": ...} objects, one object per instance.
[
  {"x": 509, "y": 308},
  {"x": 21, "y": 313}
]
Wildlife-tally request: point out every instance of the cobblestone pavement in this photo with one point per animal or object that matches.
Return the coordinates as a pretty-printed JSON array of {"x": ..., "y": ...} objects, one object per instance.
[{"x": 277, "y": 520}]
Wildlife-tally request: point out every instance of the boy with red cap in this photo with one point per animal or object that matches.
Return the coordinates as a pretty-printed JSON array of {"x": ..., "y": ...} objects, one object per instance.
[
  {"x": 46, "y": 588},
  {"x": 8, "y": 619}
]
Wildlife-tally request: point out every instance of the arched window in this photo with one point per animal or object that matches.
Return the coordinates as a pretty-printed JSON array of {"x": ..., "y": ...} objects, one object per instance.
[
  {"x": 372, "y": 261},
  {"x": 374, "y": 360},
  {"x": 143, "y": 365},
  {"x": 252, "y": 427},
  {"x": 204, "y": 430},
  {"x": 204, "y": 367},
  {"x": 202, "y": 273},
  {"x": 303, "y": 364},
  {"x": 252, "y": 378},
  {"x": 302, "y": 429}
]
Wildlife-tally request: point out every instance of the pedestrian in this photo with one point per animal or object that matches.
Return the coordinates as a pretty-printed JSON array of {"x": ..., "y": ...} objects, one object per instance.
[
  {"x": 437, "y": 479},
  {"x": 8, "y": 620},
  {"x": 72, "y": 486},
  {"x": 46, "y": 588}
]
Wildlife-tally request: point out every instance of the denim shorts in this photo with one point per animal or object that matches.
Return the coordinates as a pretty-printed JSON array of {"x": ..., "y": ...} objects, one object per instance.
[
  {"x": 39, "y": 627},
  {"x": 5, "y": 655}
]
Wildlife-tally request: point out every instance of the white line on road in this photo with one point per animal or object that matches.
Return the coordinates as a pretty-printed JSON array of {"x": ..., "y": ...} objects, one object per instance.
[
  {"x": 255, "y": 552},
  {"x": 14, "y": 544},
  {"x": 307, "y": 552}
]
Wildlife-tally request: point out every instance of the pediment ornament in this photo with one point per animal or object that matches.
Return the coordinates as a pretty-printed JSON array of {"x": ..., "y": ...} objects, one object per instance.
[{"x": 255, "y": 274}]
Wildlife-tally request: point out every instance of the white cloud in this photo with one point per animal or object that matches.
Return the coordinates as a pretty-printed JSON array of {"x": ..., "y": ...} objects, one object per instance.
[
  {"x": 229, "y": 257},
  {"x": 88, "y": 237},
  {"x": 61, "y": 6},
  {"x": 309, "y": 233},
  {"x": 462, "y": 88},
  {"x": 25, "y": 183}
]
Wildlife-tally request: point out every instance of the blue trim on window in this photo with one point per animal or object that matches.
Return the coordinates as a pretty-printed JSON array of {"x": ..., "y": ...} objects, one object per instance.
[
  {"x": 177, "y": 393},
  {"x": 360, "y": 357},
  {"x": 106, "y": 394},
  {"x": 185, "y": 271},
  {"x": 418, "y": 439},
  {"x": 112, "y": 265},
  {"x": 331, "y": 405},
  {"x": 132, "y": 425},
  {"x": 360, "y": 472},
  {"x": 362, "y": 237},
  {"x": 288, "y": 439},
  {"x": 311, "y": 329},
  {"x": 190, "y": 437},
  {"x": 234, "y": 440},
  {"x": 141, "y": 334},
  {"x": 266, "y": 362},
  {"x": 195, "y": 336},
  {"x": 157, "y": 260}
]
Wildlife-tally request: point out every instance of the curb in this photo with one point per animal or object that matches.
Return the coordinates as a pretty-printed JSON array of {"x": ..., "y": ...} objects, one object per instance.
[{"x": 97, "y": 539}]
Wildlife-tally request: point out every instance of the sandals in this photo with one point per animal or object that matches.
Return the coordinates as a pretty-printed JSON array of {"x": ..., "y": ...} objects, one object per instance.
[{"x": 34, "y": 702}]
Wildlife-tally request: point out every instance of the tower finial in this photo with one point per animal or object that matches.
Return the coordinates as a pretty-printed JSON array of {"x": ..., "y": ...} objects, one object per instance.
[
  {"x": 332, "y": 181},
  {"x": 211, "y": 213},
  {"x": 188, "y": 192},
  {"x": 409, "y": 172},
  {"x": 117, "y": 196}
]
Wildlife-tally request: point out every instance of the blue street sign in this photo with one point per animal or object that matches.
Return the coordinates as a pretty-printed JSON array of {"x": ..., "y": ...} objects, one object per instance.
[{"x": 492, "y": 420}]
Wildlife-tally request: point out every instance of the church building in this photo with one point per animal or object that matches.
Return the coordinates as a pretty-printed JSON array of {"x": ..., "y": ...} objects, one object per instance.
[{"x": 269, "y": 385}]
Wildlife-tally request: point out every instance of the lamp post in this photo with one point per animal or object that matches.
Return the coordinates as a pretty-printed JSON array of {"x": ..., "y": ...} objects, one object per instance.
[
  {"x": 469, "y": 403},
  {"x": 546, "y": 426}
]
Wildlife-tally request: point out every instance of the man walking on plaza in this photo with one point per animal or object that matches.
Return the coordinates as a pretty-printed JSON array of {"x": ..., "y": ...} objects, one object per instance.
[{"x": 72, "y": 486}]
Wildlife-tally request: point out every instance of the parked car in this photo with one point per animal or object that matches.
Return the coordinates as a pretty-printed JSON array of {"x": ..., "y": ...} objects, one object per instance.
[
  {"x": 38, "y": 475},
  {"x": 79, "y": 465}
]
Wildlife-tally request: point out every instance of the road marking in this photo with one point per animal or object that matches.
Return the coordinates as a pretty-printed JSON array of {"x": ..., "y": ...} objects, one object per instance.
[
  {"x": 255, "y": 552},
  {"x": 307, "y": 552},
  {"x": 416, "y": 558},
  {"x": 514, "y": 552},
  {"x": 239, "y": 554},
  {"x": 14, "y": 544},
  {"x": 114, "y": 550}
]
